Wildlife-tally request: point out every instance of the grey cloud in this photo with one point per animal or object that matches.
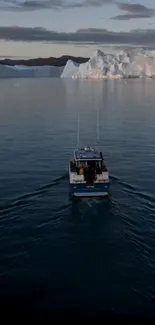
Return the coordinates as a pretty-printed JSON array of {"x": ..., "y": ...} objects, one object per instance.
[
  {"x": 134, "y": 11},
  {"x": 98, "y": 2},
  {"x": 28, "y": 5},
  {"x": 85, "y": 36},
  {"x": 137, "y": 7}
]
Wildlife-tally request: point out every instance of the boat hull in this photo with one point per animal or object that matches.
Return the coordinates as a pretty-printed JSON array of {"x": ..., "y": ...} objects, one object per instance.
[{"x": 82, "y": 190}]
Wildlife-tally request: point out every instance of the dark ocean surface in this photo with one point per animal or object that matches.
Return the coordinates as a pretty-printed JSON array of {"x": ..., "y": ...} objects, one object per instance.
[{"x": 90, "y": 255}]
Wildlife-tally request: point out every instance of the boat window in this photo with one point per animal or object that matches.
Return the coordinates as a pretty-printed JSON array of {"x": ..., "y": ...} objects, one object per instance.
[
  {"x": 98, "y": 164},
  {"x": 91, "y": 164},
  {"x": 73, "y": 166},
  {"x": 94, "y": 164},
  {"x": 81, "y": 164}
]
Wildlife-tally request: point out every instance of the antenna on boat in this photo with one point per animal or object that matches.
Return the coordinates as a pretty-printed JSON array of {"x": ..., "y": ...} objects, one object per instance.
[{"x": 78, "y": 129}]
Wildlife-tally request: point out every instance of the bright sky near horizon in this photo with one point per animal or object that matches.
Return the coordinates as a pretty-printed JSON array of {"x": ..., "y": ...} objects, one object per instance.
[{"x": 33, "y": 28}]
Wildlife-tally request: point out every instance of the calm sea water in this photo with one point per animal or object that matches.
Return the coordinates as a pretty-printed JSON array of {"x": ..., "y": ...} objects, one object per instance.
[{"x": 89, "y": 254}]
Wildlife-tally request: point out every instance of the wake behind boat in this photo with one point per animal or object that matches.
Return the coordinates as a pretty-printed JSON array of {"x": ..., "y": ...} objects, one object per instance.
[{"x": 88, "y": 175}]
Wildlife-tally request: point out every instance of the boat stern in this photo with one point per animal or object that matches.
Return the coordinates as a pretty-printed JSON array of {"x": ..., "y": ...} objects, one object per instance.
[{"x": 83, "y": 190}]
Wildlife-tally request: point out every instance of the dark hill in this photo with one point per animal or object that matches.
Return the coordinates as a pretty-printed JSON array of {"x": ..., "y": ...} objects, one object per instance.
[{"x": 58, "y": 62}]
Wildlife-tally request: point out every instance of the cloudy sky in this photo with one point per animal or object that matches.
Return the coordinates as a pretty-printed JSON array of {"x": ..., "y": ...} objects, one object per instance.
[{"x": 33, "y": 28}]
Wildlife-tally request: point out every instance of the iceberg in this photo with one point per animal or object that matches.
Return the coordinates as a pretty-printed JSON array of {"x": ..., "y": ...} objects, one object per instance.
[
  {"x": 128, "y": 63},
  {"x": 70, "y": 69},
  {"x": 134, "y": 63},
  {"x": 19, "y": 71}
]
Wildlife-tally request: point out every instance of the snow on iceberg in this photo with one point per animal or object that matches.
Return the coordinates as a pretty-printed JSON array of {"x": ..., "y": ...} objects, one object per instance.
[
  {"x": 128, "y": 63},
  {"x": 19, "y": 71}
]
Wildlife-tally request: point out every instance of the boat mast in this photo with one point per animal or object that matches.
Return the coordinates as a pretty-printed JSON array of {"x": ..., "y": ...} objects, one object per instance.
[{"x": 97, "y": 125}]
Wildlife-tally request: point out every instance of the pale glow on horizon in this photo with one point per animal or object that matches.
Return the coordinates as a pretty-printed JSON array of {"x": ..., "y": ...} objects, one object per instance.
[
  {"x": 35, "y": 49},
  {"x": 93, "y": 15}
]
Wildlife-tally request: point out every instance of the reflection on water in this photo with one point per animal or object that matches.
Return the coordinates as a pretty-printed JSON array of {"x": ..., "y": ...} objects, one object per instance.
[{"x": 89, "y": 253}]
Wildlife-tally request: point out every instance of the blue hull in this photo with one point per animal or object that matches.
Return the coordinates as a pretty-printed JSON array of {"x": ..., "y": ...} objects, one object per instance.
[{"x": 82, "y": 190}]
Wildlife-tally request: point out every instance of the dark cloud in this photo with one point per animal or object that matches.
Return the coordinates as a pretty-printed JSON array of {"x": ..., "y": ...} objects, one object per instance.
[
  {"x": 92, "y": 30},
  {"x": 134, "y": 11},
  {"x": 86, "y": 36},
  {"x": 36, "y": 4},
  {"x": 132, "y": 16}
]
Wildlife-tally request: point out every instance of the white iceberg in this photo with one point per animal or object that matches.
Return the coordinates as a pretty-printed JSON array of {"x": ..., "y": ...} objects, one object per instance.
[{"x": 128, "y": 63}]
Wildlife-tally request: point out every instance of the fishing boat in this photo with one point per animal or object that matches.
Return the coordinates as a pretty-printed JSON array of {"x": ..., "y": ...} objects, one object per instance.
[{"x": 88, "y": 175}]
